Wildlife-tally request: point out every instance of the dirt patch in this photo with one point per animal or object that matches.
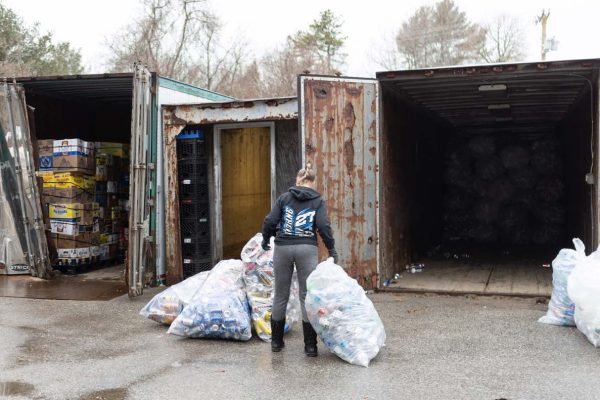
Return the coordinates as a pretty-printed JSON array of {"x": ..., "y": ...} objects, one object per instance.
[
  {"x": 106, "y": 394},
  {"x": 13, "y": 388}
]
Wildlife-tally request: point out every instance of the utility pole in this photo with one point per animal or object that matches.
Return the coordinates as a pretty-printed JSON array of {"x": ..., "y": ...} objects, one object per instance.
[{"x": 543, "y": 19}]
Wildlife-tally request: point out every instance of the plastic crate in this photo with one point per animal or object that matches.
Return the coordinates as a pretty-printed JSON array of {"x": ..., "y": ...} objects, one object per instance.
[
  {"x": 189, "y": 193},
  {"x": 192, "y": 266},
  {"x": 196, "y": 250},
  {"x": 192, "y": 172},
  {"x": 195, "y": 231},
  {"x": 191, "y": 149},
  {"x": 193, "y": 210}
]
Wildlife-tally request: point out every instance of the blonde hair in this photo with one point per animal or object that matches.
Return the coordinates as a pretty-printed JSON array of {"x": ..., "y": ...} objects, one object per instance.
[{"x": 306, "y": 174}]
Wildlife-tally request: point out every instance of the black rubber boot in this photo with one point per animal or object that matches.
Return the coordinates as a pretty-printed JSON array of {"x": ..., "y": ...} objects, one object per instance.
[
  {"x": 277, "y": 328},
  {"x": 310, "y": 339}
]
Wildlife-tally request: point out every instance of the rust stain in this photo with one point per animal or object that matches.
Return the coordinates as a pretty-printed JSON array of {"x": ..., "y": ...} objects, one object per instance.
[
  {"x": 329, "y": 122},
  {"x": 354, "y": 91},
  {"x": 349, "y": 151},
  {"x": 173, "y": 239},
  {"x": 349, "y": 116}
]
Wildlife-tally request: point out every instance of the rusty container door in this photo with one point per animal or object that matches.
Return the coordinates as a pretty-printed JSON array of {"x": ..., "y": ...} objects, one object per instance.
[{"x": 339, "y": 133}]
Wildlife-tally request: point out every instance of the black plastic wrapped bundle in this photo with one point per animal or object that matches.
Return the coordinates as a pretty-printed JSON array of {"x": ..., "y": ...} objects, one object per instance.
[
  {"x": 457, "y": 176},
  {"x": 523, "y": 178},
  {"x": 456, "y": 199},
  {"x": 489, "y": 168},
  {"x": 482, "y": 146},
  {"x": 459, "y": 158},
  {"x": 479, "y": 187},
  {"x": 513, "y": 216},
  {"x": 457, "y": 225},
  {"x": 500, "y": 190},
  {"x": 550, "y": 189},
  {"x": 547, "y": 234},
  {"x": 520, "y": 235},
  {"x": 515, "y": 157},
  {"x": 546, "y": 157},
  {"x": 484, "y": 233},
  {"x": 486, "y": 211},
  {"x": 550, "y": 213}
]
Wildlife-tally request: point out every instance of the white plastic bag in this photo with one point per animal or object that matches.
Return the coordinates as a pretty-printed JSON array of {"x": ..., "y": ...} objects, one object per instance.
[
  {"x": 259, "y": 280},
  {"x": 584, "y": 290},
  {"x": 220, "y": 309},
  {"x": 168, "y": 304},
  {"x": 561, "y": 307},
  {"x": 343, "y": 315}
]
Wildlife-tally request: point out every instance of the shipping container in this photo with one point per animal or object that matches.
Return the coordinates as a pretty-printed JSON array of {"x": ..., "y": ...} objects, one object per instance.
[
  {"x": 490, "y": 166},
  {"x": 474, "y": 171},
  {"x": 253, "y": 156},
  {"x": 122, "y": 108}
]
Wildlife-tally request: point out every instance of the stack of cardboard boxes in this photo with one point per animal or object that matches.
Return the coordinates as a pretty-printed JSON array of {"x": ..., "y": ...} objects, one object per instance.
[
  {"x": 112, "y": 193},
  {"x": 66, "y": 168},
  {"x": 80, "y": 198}
]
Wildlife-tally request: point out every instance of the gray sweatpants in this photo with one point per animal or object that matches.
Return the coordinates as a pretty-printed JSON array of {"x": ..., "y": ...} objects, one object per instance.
[{"x": 305, "y": 257}]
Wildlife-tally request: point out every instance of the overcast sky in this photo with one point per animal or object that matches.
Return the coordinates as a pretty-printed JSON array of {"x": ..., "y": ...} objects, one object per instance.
[{"x": 266, "y": 23}]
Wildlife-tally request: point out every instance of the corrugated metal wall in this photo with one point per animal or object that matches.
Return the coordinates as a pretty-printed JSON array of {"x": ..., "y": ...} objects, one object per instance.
[{"x": 339, "y": 125}]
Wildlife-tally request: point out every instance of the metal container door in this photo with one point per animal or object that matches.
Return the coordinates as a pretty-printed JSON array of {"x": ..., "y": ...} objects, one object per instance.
[
  {"x": 339, "y": 134},
  {"x": 23, "y": 245},
  {"x": 139, "y": 207}
]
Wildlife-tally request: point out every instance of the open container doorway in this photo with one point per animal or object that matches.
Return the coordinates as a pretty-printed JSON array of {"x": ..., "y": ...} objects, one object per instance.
[
  {"x": 120, "y": 108},
  {"x": 244, "y": 182},
  {"x": 487, "y": 171}
]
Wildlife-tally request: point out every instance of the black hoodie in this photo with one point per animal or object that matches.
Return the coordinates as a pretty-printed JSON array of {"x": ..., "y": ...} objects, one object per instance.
[{"x": 296, "y": 218}]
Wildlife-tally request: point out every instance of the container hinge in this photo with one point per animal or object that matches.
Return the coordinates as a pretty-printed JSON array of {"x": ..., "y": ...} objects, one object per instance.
[
  {"x": 150, "y": 166},
  {"x": 376, "y": 168}
]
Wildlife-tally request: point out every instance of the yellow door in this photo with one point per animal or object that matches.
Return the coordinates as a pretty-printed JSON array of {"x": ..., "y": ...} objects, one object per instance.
[{"x": 245, "y": 185}]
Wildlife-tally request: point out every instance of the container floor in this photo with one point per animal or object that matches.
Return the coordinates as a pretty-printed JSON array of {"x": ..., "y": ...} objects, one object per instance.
[
  {"x": 512, "y": 272},
  {"x": 96, "y": 284}
]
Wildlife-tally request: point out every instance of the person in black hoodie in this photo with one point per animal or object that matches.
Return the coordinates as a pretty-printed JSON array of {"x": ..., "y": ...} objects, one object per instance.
[{"x": 295, "y": 219}]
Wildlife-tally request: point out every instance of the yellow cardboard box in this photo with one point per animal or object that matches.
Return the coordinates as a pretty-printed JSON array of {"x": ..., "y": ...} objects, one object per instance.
[
  {"x": 67, "y": 180},
  {"x": 115, "y": 149}
]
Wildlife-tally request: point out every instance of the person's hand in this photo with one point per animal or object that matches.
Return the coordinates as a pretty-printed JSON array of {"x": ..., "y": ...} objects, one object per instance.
[
  {"x": 265, "y": 245},
  {"x": 334, "y": 255}
]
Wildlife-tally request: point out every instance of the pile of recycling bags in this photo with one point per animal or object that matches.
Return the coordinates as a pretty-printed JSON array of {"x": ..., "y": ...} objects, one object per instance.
[
  {"x": 575, "y": 296},
  {"x": 342, "y": 315},
  {"x": 259, "y": 280},
  {"x": 220, "y": 308},
  {"x": 236, "y": 295},
  {"x": 221, "y": 302},
  {"x": 167, "y": 305}
]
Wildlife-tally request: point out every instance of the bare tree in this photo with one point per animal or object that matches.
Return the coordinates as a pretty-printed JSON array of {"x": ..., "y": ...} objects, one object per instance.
[
  {"x": 439, "y": 35},
  {"x": 384, "y": 52},
  {"x": 181, "y": 39},
  {"x": 505, "y": 40}
]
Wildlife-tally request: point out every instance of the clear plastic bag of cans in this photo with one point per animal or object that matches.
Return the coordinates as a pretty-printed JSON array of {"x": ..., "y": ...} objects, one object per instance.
[
  {"x": 342, "y": 315},
  {"x": 561, "y": 308},
  {"x": 583, "y": 287},
  {"x": 259, "y": 280},
  {"x": 220, "y": 309},
  {"x": 168, "y": 304}
]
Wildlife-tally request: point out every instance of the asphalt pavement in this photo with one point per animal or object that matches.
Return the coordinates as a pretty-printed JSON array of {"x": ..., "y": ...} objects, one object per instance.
[{"x": 438, "y": 347}]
